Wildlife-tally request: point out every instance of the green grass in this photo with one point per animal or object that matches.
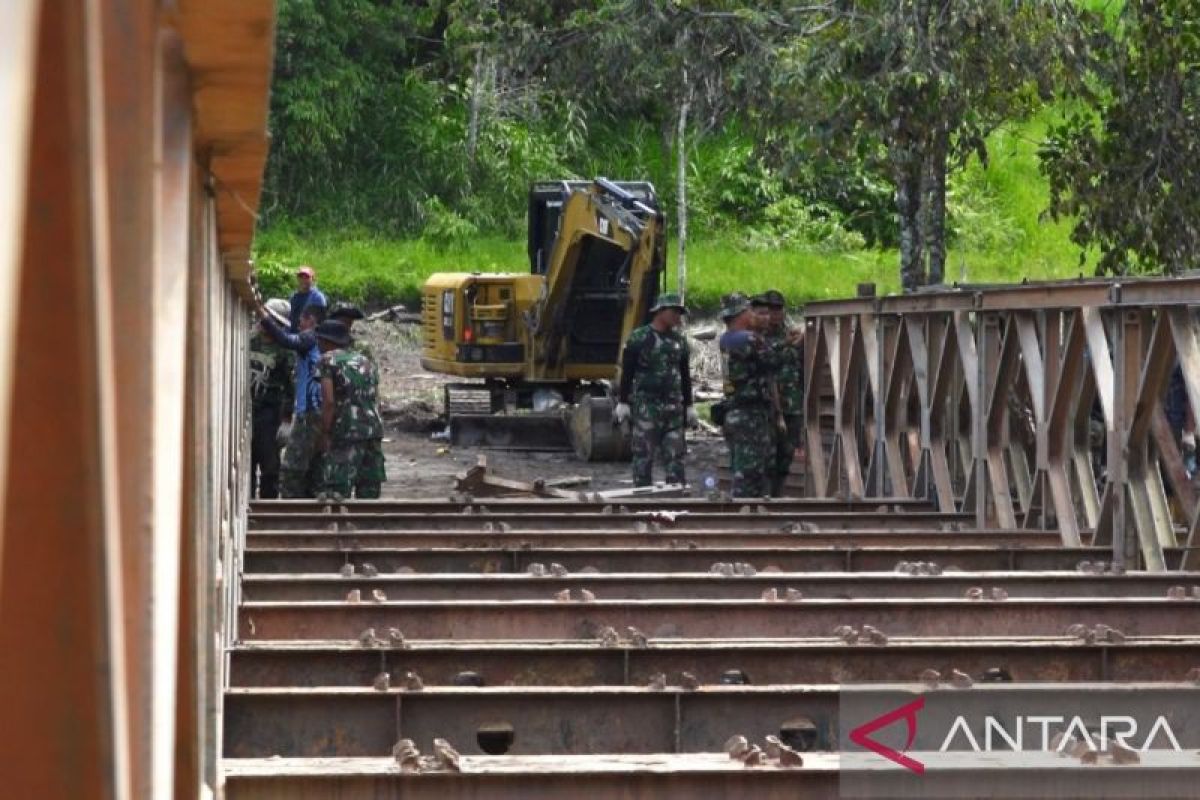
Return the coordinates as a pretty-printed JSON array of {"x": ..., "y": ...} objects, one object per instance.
[{"x": 1002, "y": 208}]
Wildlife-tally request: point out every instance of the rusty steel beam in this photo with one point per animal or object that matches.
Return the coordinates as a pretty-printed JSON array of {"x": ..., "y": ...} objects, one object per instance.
[
  {"x": 688, "y": 776},
  {"x": 682, "y": 586},
  {"x": 691, "y": 539},
  {"x": 568, "y": 520},
  {"x": 1008, "y": 365},
  {"x": 331, "y": 721},
  {"x": 667, "y": 559},
  {"x": 761, "y": 661},
  {"x": 602, "y": 777},
  {"x": 549, "y": 619},
  {"x": 1175, "y": 291},
  {"x": 508, "y": 505}
]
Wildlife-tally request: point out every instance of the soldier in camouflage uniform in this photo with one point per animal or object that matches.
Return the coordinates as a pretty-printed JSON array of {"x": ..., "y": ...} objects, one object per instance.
[
  {"x": 349, "y": 314},
  {"x": 656, "y": 392},
  {"x": 747, "y": 365},
  {"x": 301, "y": 468},
  {"x": 271, "y": 399},
  {"x": 351, "y": 430},
  {"x": 788, "y": 347}
]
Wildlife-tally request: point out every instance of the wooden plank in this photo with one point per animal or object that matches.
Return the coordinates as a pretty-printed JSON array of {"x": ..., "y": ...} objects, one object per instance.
[{"x": 478, "y": 482}]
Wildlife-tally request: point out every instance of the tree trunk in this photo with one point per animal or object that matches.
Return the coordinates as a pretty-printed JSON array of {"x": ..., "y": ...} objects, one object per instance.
[
  {"x": 907, "y": 164},
  {"x": 933, "y": 207},
  {"x": 477, "y": 90},
  {"x": 681, "y": 189}
]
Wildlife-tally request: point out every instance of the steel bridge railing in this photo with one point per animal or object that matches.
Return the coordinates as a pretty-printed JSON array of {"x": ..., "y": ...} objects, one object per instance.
[{"x": 1037, "y": 405}]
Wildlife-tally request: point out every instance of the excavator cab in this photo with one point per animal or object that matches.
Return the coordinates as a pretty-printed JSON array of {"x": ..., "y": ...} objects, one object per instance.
[{"x": 545, "y": 341}]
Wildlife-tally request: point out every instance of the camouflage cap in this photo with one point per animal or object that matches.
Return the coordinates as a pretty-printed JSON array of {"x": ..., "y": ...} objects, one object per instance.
[
  {"x": 771, "y": 297},
  {"x": 668, "y": 300},
  {"x": 347, "y": 310},
  {"x": 734, "y": 304}
]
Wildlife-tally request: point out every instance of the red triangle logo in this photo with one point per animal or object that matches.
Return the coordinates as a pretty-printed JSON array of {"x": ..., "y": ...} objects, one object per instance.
[{"x": 861, "y": 735}]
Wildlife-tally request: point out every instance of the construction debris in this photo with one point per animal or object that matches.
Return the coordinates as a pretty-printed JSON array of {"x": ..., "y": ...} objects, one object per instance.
[
  {"x": 395, "y": 313},
  {"x": 479, "y": 482}
]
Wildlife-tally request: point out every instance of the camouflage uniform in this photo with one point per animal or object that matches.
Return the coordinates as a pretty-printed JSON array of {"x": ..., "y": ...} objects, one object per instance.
[
  {"x": 747, "y": 363},
  {"x": 301, "y": 458},
  {"x": 270, "y": 392},
  {"x": 789, "y": 383},
  {"x": 355, "y": 455},
  {"x": 349, "y": 314},
  {"x": 360, "y": 345},
  {"x": 656, "y": 384}
]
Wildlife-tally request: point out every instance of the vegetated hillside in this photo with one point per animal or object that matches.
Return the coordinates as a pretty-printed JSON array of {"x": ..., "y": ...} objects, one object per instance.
[{"x": 998, "y": 234}]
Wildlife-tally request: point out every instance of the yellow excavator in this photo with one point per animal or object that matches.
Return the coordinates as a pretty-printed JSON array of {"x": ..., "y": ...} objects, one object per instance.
[{"x": 543, "y": 347}]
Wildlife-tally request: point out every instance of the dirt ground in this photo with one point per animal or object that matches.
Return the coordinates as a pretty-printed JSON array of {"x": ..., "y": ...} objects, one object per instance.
[{"x": 421, "y": 465}]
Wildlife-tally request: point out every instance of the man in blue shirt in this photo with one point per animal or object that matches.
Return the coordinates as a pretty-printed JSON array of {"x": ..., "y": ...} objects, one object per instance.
[
  {"x": 306, "y": 294},
  {"x": 301, "y": 467}
]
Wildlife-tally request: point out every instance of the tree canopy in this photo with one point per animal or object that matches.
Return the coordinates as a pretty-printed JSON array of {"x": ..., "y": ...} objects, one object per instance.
[{"x": 837, "y": 123}]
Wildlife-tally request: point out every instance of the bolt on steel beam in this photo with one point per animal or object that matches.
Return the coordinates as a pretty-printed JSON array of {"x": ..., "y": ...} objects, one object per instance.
[
  {"x": 332, "y": 587},
  {"x": 668, "y": 559},
  {"x": 756, "y": 661},
  {"x": 550, "y": 619},
  {"x": 677, "y": 537}
]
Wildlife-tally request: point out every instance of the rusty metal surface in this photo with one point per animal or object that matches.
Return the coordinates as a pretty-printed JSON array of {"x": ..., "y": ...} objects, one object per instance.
[
  {"x": 609, "y": 777},
  {"x": 548, "y": 619},
  {"x": 507, "y": 505},
  {"x": 301, "y": 681},
  {"x": 681, "y": 536},
  {"x": 351, "y": 722},
  {"x": 667, "y": 559},
  {"x": 264, "y": 722},
  {"x": 566, "y": 520},
  {"x": 315, "y": 664},
  {"x": 982, "y": 399},
  {"x": 677, "y": 586},
  {"x": 685, "y": 777}
]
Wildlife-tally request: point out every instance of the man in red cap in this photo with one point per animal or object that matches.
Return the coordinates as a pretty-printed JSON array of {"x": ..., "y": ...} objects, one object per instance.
[{"x": 306, "y": 294}]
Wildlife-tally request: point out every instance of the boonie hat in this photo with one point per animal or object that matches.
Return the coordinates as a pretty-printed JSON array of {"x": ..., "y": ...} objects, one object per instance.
[
  {"x": 668, "y": 300},
  {"x": 771, "y": 297},
  {"x": 734, "y": 304},
  {"x": 333, "y": 331},
  {"x": 279, "y": 310}
]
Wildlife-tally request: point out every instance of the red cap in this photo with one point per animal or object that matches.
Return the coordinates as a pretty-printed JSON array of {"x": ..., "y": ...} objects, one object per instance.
[{"x": 306, "y": 271}]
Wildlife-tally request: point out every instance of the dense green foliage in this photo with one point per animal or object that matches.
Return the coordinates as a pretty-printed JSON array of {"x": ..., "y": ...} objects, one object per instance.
[
  {"x": 404, "y": 136},
  {"x": 1128, "y": 166}
]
